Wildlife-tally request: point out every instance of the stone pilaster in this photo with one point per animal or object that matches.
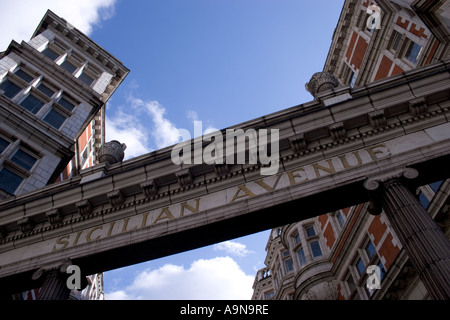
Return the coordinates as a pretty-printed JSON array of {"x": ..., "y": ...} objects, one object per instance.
[
  {"x": 54, "y": 287},
  {"x": 426, "y": 245},
  {"x": 55, "y": 283}
]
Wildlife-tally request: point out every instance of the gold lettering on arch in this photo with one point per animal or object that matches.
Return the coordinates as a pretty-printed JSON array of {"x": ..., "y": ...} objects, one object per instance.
[
  {"x": 247, "y": 193},
  {"x": 165, "y": 214}
]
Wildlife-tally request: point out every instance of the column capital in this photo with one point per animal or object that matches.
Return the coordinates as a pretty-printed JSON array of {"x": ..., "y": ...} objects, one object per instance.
[
  {"x": 375, "y": 185},
  {"x": 374, "y": 182},
  {"x": 57, "y": 267}
]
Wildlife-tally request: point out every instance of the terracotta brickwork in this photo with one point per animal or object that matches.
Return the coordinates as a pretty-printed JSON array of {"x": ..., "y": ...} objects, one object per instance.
[
  {"x": 388, "y": 251},
  {"x": 359, "y": 53},
  {"x": 328, "y": 234},
  {"x": 384, "y": 68}
]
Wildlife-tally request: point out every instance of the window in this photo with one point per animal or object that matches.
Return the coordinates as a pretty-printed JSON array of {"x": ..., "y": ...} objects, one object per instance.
[
  {"x": 55, "y": 119},
  {"x": 310, "y": 232},
  {"x": 51, "y": 54},
  {"x": 288, "y": 264},
  {"x": 24, "y": 159},
  {"x": 340, "y": 218},
  {"x": 3, "y": 144},
  {"x": 66, "y": 103},
  {"x": 301, "y": 257},
  {"x": 23, "y": 75},
  {"x": 68, "y": 66},
  {"x": 370, "y": 250},
  {"x": 360, "y": 267},
  {"x": 86, "y": 79},
  {"x": 352, "y": 79},
  {"x": 269, "y": 295},
  {"x": 396, "y": 40},
  {"x": 9, "y": 181},
  {"x": 18, "y": 162},
  {"x": 46, "y": 90},
  {"x": 86, "y": 153},
  {"x": 413, "y": 52},
  {"x": 314, "y": 245},
  {"x": 32, "y": 104},
  {"x": 9, "y": 89},
  {"x": 40, "y": 99},
  {"x": 297, "y": 238},
  {"x": 315, "y": 249}
]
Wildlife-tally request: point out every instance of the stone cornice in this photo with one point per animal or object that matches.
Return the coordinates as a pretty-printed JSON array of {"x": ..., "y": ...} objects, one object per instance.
[{"x": 83, "y": 42}]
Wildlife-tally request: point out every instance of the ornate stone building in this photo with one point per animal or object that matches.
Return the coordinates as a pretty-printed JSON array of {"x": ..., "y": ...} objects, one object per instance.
[
  {"x": 327, "y": 257},
  {"x": 54, "y": 89},
  {"x": 376, "y": 131}
]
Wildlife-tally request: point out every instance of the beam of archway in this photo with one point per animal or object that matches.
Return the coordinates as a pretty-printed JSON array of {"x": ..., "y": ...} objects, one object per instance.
[{"x": 148, "y": 207}]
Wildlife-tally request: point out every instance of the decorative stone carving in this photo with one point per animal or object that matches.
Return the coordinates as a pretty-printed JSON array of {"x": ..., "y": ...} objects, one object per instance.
[
  {"x": 298, "y": 143},
  {"x": 54, "y": 216},
  {"x": 84, "y": 208},
  {"x": 116, "y": 198},
  {"x": 417, "y": 106},
  {"x": 185, "y": 177},
  {"x": 338, "y": 131},
  {"x": 25, "y": 224},
  {"x": 112, "y": 152},
  {"x": 3, "y": 233},
  {"x": 375, "y": 186},
  {"x": 150, "y": 188},
  {"x": 55, "y": 286},
  {"x": 321, "y": 81},
  {"x": 221, "y": 169},
  {"x": 377, "y": 119}
]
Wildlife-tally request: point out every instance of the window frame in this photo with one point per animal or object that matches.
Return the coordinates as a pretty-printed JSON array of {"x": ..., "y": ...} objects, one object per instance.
[
  {"x": 8, "y": 163},
  {"x": 12, "y": 170},
  {"x": 286, "y": 257},
  {"x": 298, "y": 250},
  {"x": 396, "y": 40},
  {"x": 36, "y": 94},
  {"x": 313, "y": 238},
  {"x": 58, "y": 112},
  {"x": 409, "y": 50},
  {"x": 27, "y": 153},
  {"x": 25, "y": 72},
  {"x": 47, "y": 86},
  {"x": 13, "y": 80}
]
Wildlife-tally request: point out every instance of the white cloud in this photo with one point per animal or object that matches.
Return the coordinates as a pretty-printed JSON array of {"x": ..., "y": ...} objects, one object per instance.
[
  {"x": 233, "y": 248},
  {"x": 130, "y": 126},
  {"x": 19, "y": 18},
  {"x": 193, "y": 116},
  {"x": 124, "y": 128},
  {"x": 219, "y": 278},
  {"x": 144, "y": 127},
  {"x": 164, "y": 132}
]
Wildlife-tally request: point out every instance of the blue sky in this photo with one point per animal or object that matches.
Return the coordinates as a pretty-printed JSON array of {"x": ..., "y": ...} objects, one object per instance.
[{"x": 221, "y": 62}]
